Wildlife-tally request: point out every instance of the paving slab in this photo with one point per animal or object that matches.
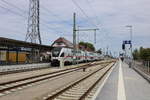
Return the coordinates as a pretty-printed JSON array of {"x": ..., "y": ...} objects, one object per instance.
[{"x": 124, "y": 84}]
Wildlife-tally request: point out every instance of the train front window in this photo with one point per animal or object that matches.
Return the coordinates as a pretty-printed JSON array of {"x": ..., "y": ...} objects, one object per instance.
[
  {"x": 56, "y": 51},
  {"x": 62, "y": 55}
]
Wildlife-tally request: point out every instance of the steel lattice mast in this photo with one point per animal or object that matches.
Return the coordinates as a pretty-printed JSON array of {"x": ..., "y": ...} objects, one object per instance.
[{"x": 33, "y": 28}]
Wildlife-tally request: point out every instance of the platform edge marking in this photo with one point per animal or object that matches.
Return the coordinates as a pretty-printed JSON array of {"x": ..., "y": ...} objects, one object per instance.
[
  {"x": 121, "y": 89},
  {"x": 103, "y": 83}
]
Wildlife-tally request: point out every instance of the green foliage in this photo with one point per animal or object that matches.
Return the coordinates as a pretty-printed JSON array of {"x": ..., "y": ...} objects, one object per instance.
[
  {"x": 87, "y": 45},
  {"x": 99, "y": 51},
  {"x": 136, "y": 54},
  {"x": 82, "y": 43},
  {"x": 141, "y": 54},
  {"x": 145, "y": 54}
]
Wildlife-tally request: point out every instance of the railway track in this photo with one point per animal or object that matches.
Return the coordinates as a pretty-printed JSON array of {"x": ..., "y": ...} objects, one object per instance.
[
  {"x": 81, "y": 89},
  {"x": 12, "y": 86},
  {"x": 17, "y": 70}
]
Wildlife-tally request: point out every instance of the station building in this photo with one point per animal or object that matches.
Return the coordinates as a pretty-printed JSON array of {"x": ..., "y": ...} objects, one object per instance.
[
  {"x": 62, "y": 42},
  {"x": 20, "y": 52}
]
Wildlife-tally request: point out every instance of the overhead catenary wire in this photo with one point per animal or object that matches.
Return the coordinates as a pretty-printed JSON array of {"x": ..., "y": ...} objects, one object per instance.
[
  {"x": 8, "y": 3},
  {"x": 89, "y": 3},
  {"x": 46, "y": 24},
  {"x": 50, "y": 12},
  {"x": 24, "y": 17},
  {"x": 56, "y": 16},
  {"x": 43, "y": 23},
  {"x": 84, "y": 13},
  {"x": 16, "y": 13},
  {"x": 87, "y": 17},
  {"x": 93, "y": 11},
  {"x": 22, "y": 10},
  {"x": 13, "y": 12}
]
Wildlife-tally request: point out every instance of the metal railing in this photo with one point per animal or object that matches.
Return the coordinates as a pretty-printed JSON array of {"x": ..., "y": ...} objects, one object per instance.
[{"x": 143, "y": 65}]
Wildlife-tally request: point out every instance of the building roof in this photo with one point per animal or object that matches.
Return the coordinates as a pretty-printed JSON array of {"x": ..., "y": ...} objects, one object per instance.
[
  {"x": 17, "y": 43},
  {"x": 62, "y": 42}
]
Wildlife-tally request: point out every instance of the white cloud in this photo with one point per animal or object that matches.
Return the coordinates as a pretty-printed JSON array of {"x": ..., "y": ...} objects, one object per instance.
[{"x": 113, "y": 16}]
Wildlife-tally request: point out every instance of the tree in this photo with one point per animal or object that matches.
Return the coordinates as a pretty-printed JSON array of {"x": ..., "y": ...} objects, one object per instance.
[
  {"x": 82, "y": 43},
  {"x": 142, "y": 54},
  {"x": 99, "y": 51},
  {"x": 145, "y": 54},
  {"x": 87, "y": 45},
  {"x": 136, "y": 54}
]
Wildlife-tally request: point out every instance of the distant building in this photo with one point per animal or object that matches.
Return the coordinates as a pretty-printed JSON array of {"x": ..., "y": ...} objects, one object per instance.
[
  {"x": 62, "y": 42},
  {"x": 84, "y": 48}
]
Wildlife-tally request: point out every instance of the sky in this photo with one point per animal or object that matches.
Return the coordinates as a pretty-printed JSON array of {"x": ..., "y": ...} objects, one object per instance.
[{"x": 56, "y": 20}]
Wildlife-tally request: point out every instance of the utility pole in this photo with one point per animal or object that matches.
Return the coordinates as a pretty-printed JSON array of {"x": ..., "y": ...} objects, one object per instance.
[
  {"x": 74, "y": 38},
  {"x": 107, "y": 51},
  {"x": 103, "y": 51},
  {"x": 95, "y": 35},
  {"x": 78, "y": 37},
  {"x": 38, "y": 19},
  {"x": 33, "y": 28}
]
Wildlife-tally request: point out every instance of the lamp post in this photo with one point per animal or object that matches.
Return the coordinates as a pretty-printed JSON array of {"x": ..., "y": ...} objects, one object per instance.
[
  {"x": 130, "y": 28},
  {"x": 131, "y": 32}
]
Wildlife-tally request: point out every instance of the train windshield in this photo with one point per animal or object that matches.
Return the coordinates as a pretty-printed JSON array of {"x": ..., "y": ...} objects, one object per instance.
[{"x": 56, "y": 52}]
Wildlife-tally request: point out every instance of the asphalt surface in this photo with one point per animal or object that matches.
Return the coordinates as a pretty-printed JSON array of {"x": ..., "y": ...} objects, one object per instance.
[{"x": 128, "y": 85}]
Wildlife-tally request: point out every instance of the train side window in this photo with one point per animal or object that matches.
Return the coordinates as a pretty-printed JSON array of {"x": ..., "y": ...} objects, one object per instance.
[{"x": 62, "y": 55}]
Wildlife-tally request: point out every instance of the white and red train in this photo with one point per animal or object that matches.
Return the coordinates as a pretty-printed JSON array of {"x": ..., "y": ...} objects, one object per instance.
[{"x": 67, "y": 56}]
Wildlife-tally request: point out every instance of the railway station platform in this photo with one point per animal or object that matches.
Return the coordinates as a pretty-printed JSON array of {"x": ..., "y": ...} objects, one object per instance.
[{"x": 124, "y": 84}]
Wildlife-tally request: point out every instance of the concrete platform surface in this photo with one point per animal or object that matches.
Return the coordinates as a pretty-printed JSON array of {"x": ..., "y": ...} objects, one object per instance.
[{"x": 124, "y": 84}]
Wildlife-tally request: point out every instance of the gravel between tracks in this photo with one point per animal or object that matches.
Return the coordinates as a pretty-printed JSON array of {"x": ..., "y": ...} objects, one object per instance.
[
  {"x": 49, "y": 86},
  {"x": 77, "y": 91},
  {"x": 16, "y": 76}
]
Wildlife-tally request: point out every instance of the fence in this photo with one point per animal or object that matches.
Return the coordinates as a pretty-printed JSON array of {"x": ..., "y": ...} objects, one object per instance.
[
  {"x": 147, "y": 65},
  {"x": 143, "y": 65}
]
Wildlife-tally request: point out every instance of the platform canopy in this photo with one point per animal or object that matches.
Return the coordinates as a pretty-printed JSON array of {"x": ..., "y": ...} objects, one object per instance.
[{"x": 6, "y": 42}]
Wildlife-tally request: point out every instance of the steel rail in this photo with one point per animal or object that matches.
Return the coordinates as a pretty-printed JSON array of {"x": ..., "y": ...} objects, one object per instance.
[
  {"x": 73, "y": 84},
  {"x": 91, "y": 88},
  {"x": 38, "y": 80},
  {"x": 9, "y": 82}
]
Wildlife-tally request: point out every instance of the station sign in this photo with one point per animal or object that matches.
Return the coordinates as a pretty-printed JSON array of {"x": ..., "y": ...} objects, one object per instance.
[{"x": 127, "y": 42}]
